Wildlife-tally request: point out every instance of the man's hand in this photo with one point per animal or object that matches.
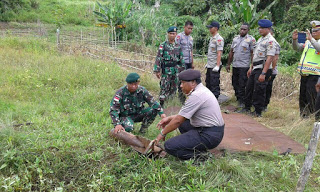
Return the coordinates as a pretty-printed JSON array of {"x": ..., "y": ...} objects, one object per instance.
[
  {"x": 163, "y": 116},
  {"x": 163, "y": 122},
  {"x": 295, "y": 35},
  {"x": 309, "y": 36},
  {"x": 249, "y": 73},
  {"x": 158, "y": 75},
  {"x": 318, "y": 87},
  {"x": 228, "y": 68},
  {"x": 159, "y": 138},
  {"x": 118, "y": 128},
  {"x": 262, "y": 78}
]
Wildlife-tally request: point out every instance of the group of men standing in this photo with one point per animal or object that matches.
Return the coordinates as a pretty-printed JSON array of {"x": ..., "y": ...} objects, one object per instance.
[
  {"x": 250, "y": 82},
  {"x": 254, "y": 67}
]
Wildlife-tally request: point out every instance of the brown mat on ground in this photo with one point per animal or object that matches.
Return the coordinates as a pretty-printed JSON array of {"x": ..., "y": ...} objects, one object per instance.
[{"x": 243, "y": 133}]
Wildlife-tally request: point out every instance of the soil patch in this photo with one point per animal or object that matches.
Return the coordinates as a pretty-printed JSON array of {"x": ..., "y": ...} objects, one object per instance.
[{"x": 243, "y": 133}]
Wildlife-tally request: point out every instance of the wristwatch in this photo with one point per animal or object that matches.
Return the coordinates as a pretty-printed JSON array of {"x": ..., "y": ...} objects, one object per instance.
[
  {"x": 163, "y": 135},
  {"x": 263, "y": 73}
]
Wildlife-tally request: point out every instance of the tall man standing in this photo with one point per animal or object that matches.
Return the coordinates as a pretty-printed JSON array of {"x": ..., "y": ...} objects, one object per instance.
[
  {"x": 213, "y": 65},
  {"x": 311, "y": 50},
  {"x": 241, "y": 53},
  {"x": 260, "y": 69},
  {"x": 185, "y": 40},
  {"x": 274, "y": 73},
  {"x": 169, "y": 62}
]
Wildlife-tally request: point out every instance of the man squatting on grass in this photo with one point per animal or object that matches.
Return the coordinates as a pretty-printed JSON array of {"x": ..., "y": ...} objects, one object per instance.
[
  {"x": 127, "y": 106},
  {"x": 199, "y": 121}
]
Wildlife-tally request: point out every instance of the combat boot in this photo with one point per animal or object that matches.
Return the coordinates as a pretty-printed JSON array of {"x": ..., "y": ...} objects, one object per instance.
[{"x": 143, "y": 129}]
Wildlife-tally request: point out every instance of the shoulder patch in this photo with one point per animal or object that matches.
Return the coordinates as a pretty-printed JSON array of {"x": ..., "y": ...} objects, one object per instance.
[
  {"x": 116, "y": 98},
  {"x": 161, "y": 47},
  {"x": 178, "y": 37}
]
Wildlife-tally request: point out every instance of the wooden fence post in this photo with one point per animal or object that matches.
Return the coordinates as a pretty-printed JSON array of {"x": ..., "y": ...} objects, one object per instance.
[
  {"x": 306, "y": 169},
  {"x": 58, "y": 37}
]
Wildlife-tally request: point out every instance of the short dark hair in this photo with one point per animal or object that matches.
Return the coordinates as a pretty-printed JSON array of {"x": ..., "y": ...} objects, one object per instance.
[
  {"x": 247, "y": 24},
  {"x": 198, "y": 81},
  {"x": 188, "y": 23}
]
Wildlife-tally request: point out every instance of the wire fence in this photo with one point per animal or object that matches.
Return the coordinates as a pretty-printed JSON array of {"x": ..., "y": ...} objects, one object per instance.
[{"x": 95, "y": 43}]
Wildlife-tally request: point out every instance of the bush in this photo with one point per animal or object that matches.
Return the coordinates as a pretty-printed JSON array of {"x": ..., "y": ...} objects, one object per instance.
[{"x": 299, "y": 17}]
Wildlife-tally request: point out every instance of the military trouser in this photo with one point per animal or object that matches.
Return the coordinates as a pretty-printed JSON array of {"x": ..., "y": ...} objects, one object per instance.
[
  {"x": 193, "y": 140},
  {"x": 168, "y": 86},
  {"x": 307, "y": 95},
  {"x": 146, "y": 116},
  {"x": 213, "y": 81},
  {"x": 256, "y": 91},
  {"x": 269, "y": 90},
  {"x": 239, "y": 81}
]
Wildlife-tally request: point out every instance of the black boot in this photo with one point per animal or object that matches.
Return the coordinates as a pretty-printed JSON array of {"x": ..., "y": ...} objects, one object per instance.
[{"x": 143, "y": 129}]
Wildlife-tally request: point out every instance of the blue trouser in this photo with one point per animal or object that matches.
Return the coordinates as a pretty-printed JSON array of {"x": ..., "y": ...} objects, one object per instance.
[
  {"x": 308, "y": 94},
  {"x": 193, "y": 140},
  {"x": 269, "y": 89},
  {"x": 213, "y": 81},
  {"x": 239, "y": 81},
  {"x": 256, "y": 91}
]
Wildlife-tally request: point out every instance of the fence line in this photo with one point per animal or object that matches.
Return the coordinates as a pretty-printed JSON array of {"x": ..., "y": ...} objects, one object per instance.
[{"x": 95, "y": 44}]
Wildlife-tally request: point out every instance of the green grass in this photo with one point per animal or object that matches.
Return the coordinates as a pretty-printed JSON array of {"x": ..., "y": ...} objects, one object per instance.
[
  {"x": 74, "y": 12},
  {"x": 67, "y": 148}
]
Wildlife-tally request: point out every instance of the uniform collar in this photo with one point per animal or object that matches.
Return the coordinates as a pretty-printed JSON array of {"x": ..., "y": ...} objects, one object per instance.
[
  {"x": 217, "y": 35},
  {"x": 174, "y": 43},
  {"x": 246, "y": 36},
  {"x": 267, "y": 36}
]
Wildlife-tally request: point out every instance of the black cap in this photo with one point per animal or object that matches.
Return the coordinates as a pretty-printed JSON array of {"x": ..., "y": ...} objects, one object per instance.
[
  {"x": 189, "y": 75},
  {"x": 214, "y": 24}
]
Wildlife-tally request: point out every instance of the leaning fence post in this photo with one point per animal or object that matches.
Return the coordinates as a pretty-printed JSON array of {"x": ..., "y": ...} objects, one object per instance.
[{"x": 306, "y": 169}]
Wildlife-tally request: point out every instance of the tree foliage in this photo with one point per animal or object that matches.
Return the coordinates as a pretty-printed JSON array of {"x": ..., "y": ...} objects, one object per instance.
[
  {"x": 114, "y": 14},
  {"x": 245, "y": 11}
]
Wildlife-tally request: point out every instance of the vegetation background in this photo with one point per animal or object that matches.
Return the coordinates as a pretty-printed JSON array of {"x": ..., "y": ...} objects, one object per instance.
[{"x": 54, "y": 119}]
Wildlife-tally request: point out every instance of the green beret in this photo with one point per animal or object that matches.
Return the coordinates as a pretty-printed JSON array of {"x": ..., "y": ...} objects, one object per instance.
[
  {"x": 172, "y": 29},
  {"x": 189, "y": 75},
  {"x": 132, "y": 77}
]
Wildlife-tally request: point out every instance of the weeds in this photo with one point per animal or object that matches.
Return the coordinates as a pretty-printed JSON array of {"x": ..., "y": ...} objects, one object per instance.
[{"x": 61, "y": 105}]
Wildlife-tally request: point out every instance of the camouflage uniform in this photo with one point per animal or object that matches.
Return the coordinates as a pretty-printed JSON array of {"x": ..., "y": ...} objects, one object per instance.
[
  {"x": 170, "y": 63},
  {"x": 127, "y": 108}
]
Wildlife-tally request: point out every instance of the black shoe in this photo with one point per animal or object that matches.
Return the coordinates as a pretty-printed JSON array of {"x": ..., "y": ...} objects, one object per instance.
[
  {"x": 143, "y": 130},
  {"x": 256, "y": 114},
  {"x": 244, "y": 110},
  {"x": 265, "y": 109},
  {"x": 241, "y": 105},
  {"x": 162, "y": 103}
]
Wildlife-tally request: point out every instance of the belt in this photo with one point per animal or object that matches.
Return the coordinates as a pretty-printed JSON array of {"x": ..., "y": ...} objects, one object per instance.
[
  {"x": 258, "y": 62},
  {"x": 213, "y": 128},
  {"x": 170, "y": 65}
]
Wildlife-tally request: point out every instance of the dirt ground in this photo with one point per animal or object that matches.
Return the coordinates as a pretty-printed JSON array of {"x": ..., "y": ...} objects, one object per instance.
[{"x": 243, "y": 133}]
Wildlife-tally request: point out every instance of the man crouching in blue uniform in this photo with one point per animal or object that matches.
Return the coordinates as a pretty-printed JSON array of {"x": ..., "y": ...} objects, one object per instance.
[{"x": 199, "y": 121}]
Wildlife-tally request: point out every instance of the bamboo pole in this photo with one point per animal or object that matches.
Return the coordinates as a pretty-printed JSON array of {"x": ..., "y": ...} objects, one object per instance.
[{"x": 306, "y": 169}]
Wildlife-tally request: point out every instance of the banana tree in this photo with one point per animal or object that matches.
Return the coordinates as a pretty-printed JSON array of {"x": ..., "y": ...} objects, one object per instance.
[
  {"x": 113, "y": 15},
  {"x": 239, "y": 11}
]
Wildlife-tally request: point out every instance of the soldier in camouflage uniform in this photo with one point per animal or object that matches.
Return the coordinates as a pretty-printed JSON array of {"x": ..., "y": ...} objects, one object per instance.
[
  {"x": 169, "y": 63},
  {"x": 127, "y": 106}
]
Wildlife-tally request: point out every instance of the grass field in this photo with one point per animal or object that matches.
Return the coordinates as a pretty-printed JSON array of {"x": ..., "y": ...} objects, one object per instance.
[{"x": 54, "y": 127}]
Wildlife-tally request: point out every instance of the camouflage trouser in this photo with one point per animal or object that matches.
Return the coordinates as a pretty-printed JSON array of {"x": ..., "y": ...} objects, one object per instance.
[
  {"x": 168, "y": 86},
  {"x": 146, "y": 116}
]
